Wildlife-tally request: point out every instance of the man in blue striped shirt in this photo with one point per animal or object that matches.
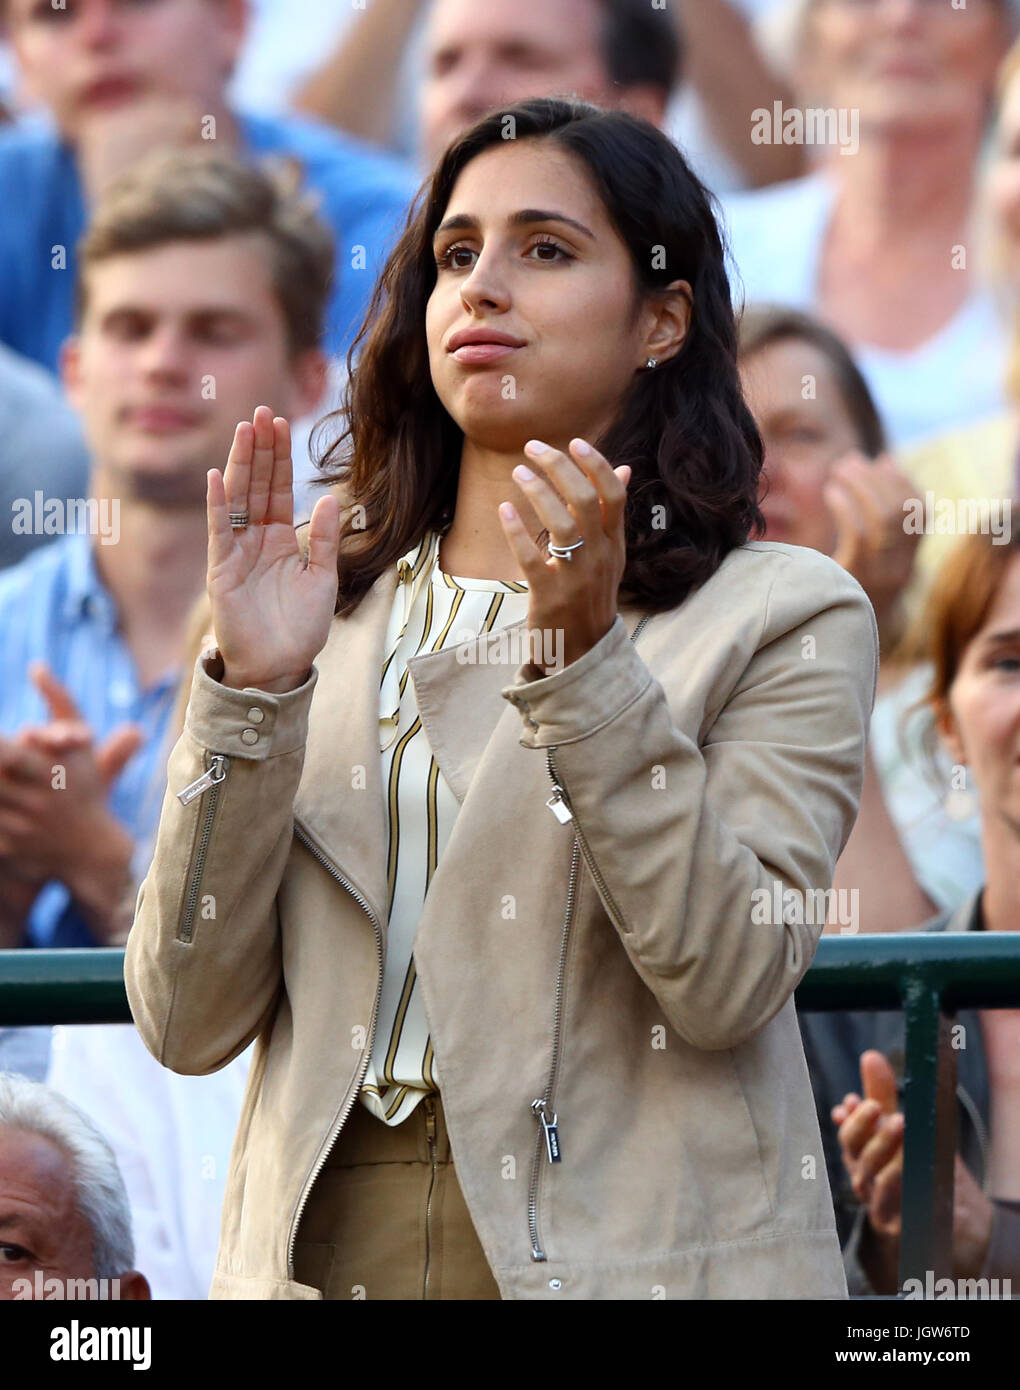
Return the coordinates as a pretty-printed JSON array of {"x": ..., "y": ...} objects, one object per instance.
[{"x": 202, "y": 294}]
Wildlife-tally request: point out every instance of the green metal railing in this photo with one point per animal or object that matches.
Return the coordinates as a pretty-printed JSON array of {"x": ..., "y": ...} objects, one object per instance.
[{"x": 927, "y": 975}]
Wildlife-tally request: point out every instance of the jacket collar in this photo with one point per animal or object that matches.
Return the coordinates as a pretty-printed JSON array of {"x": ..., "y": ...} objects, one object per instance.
[{"x": 340, "y": 800}]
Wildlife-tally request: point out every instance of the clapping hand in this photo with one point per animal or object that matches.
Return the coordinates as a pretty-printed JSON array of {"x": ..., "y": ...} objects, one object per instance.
[{"x": 271, "y": 610}]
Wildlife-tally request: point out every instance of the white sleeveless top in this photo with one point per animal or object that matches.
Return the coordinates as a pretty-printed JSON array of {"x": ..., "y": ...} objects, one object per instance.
[{"x": 431, "y": 610}]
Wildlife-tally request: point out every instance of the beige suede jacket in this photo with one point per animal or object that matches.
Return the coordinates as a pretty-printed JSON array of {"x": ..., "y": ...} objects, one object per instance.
[{"x": 623, "y": 1078}]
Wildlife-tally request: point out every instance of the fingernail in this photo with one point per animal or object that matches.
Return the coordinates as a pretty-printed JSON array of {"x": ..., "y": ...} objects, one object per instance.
[
  {"x": 580, "y": 447},
  {"x": 535, "y": 448},
  {"x": 523, "y": 473}
]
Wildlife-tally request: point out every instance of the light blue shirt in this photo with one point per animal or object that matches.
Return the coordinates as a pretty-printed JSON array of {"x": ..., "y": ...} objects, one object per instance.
[
  {"x": 54, "y": 608},
  {"x": 364, "y": 193}
]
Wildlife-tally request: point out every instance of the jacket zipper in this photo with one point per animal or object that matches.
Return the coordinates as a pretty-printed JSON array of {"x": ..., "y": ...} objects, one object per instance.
[
  {"x": 559, "y": 804},
  {"x": 542, "y": 1107},
  {"x": 210, "y": 781},
  {"x": 340, "y": 1119},
  {"x": 548, "y": 1128},
  {"x": 430, "y": 1132}
]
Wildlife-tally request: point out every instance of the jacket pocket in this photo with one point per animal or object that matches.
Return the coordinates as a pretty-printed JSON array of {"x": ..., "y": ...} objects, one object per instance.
[
  {"x": 720, "y": 1192},
  {"x": 755, "y": 1158},
  {"x": 206, "y": 787}
]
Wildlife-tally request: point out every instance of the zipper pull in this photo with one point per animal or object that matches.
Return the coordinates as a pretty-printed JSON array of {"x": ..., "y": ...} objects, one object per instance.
[
  {"x": 558, "y": 806},
  {"x": 551, "y": 1131},
  {"x": 216, "y": 774}
]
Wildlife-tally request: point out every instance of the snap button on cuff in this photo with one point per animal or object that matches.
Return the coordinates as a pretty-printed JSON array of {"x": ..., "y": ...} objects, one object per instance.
[
  {"x": 249, "y": 736},
  {"x": 256, "y": 715},
  {"x": 532, "y": 723},
  {"x": 556, "y": 1283}
]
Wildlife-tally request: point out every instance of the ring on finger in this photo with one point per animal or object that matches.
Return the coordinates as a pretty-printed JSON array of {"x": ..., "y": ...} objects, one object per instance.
[
  {"x": 563, "y": 552},
  {"x": 238, "y": 519}
]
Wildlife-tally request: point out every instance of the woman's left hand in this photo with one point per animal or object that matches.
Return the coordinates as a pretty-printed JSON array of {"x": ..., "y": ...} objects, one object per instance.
[{"x": 578, "y": 496}]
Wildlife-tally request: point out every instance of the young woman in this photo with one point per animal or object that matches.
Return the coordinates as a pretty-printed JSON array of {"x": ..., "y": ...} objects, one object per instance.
[
  {"x": 974, "y": 695},
  {"x": 507, "y": 851}
]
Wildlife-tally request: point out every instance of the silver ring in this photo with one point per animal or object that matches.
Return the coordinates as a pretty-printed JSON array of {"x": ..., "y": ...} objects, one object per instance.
[
  {"x": 562, "y": 552},
  {"x": 238, "y": 520}
]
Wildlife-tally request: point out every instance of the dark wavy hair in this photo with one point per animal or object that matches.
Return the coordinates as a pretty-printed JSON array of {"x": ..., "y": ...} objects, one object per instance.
[{"x": 683, "y": 428}]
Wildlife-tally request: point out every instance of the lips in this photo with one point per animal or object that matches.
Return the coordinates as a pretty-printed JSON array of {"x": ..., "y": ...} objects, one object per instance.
[
  {"x": 482, "y": 335},
  {"x": 110, "y": 91},
  {"x": 161, "y": 419},
  {"x": 482, "y": 352},
  {"x": 479, "y": 345}
]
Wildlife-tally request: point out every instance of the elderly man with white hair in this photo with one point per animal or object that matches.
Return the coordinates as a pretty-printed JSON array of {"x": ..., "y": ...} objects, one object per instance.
[{"x": 65, "y": 1223}]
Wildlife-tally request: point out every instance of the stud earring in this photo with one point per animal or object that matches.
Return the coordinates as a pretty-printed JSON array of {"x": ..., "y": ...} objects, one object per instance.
[{"x": 652, "y": 362}]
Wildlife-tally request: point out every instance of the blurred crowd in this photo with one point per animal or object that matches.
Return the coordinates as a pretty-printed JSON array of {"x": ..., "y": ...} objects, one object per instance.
[{"x": 197, "y": 199}]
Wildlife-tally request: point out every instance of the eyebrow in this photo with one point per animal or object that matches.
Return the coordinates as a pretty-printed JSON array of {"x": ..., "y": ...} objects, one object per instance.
[
  {"x": 463, "y": 221},
  {"x": 191, "y": 312},
  {"x": 1006, "y": 635},
  {"x": 8, "y": 1221},
  {"x": 195, "y": 314}
]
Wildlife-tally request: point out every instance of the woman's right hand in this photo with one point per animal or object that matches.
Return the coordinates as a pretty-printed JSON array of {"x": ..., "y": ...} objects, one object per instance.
[{"x": 270, "y": 611}]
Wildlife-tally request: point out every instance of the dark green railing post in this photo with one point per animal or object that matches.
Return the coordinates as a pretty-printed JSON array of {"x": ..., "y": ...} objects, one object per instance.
[
  {"x": 929, "y": 975},
  {"x": 929, "y": 1137}
]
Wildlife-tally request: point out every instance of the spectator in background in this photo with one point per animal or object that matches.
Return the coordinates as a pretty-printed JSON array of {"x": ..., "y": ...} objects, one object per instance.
[
  {"x": 983, "y": 460},
  {"x": 119, "y": 80},
  {"x": 879, "y": 240},
  {"x": 974, "y": 697},
  {"x": 43, "y": 448},
  {"x": 196, "y": 270},
  {"x": 65, "y": 1223},
  {"x": 467, "y": 58},
  {"x": 830, "y": 485},
  {"x": 171, "y": 1134}
]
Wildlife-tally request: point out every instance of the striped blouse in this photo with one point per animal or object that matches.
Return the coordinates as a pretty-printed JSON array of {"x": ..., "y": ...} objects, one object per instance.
[{"x": 431, "y": 610}]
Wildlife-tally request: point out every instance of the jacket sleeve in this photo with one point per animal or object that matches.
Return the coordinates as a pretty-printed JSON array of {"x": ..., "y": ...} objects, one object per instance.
[
  {"x": 203, "y": 964},
  {"x": 694, "y": 848}
]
